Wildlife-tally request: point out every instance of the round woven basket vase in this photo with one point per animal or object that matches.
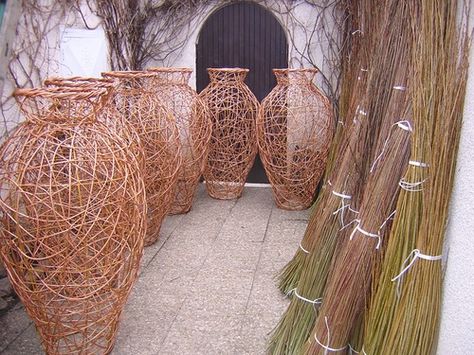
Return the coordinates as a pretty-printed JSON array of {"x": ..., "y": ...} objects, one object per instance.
[
  {"x": 294, "y": 129},
  {"x": 72, "y": 209},
  {"x": 194, "y": 126},
  {"x": 233, "y": 109},
  {"x": 135, "y": 98}
]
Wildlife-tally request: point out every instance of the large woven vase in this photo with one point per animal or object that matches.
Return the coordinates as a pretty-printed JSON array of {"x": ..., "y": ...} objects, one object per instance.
[
  {"x": 192, "y": 119},
  {"x": 135, "y": 97},
  {"x": 72, "y": 209},
  {"x": 233, "y": 109},
  {"x": 294, "y": 128}
]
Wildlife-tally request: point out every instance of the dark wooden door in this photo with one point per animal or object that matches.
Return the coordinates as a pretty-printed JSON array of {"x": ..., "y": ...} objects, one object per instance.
[{"x": 244, "y": 35}]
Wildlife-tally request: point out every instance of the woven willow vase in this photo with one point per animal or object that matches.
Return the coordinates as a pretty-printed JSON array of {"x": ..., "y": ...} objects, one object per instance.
[
  {"x": 192, "y": 119},
  {"x": 72, "y": 209},
  {"x": 294, "y": 129},
  {"x": 135, "y": 98},
  {"x": 233, "y": 109}
]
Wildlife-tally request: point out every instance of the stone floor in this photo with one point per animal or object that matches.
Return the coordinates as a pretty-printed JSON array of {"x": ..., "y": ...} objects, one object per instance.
[{"x": 205, "y": 288}]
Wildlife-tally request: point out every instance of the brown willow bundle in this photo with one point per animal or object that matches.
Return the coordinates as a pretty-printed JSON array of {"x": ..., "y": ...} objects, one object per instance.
[
  {"x": 379, "y": 101},
  {"x": 346, "y": 182},
  {"x": 194, "y": 126},
  {"x": 233, "y": 110},
  {"x": 294, "y": 132},
  {"x": 72, "y": 209},
  {"x": 353, "y": 87},
  {"x": 412, "y": 320},
  {"x": 109, "y": 113},
  {"x": 136, "y": 99},
  {"x": 348, "y": 286}
]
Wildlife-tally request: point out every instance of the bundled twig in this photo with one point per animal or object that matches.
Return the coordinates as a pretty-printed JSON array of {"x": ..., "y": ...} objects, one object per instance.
[
  {"x": 353, "y": 86},
  {"x": 412, "y": 301}
]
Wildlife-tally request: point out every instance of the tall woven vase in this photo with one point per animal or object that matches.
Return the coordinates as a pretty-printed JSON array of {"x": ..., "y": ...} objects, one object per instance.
[
  {"x": 192, "y": 119},
  {"x": 72, "y": 209},
  {"x": 233, "y": 109},
  {"x": 294, "y": 129},
  {"x": 135, "y": 98}
]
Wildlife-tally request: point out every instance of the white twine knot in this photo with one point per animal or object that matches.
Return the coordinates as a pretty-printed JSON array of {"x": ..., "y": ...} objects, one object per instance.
[
  {"x": 414, "y": 255},
  {"x": 403, "y": 124},
  {"x": 343, "y": 205},
  {"x": 316, "y": 301},
  {"x": 326, "y": 346},
  {"x": 366, "y": 233},
  {"x": 303, "y": 249},
  {"x": 399, "y": 87},
  {"x": 418, "y": 164}
]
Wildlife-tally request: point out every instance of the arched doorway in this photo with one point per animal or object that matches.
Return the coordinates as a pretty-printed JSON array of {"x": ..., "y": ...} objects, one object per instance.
[{"x": 246, "y": 35}]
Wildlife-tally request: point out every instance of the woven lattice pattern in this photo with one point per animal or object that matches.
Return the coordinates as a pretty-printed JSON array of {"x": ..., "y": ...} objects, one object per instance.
[
  {"x": 109, "y": 114},
  {"x": 192, "y": 119},
  {"x": 233, "y": 146},
  {"x": 135, "y": 97},
  {"x": 294, "y": 128},
  {"x": 73, "y": 212}
]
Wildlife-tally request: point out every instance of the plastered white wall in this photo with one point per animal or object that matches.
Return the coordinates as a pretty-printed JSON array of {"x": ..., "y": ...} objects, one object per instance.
[{"x": 457, "y": 317}]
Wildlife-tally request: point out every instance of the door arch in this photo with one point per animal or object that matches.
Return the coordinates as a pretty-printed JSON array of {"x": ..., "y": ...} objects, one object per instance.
[{"x": 243, "y": 34}]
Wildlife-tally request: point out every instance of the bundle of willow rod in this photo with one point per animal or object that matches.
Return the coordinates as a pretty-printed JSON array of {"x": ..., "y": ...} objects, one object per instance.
[
  {"x": 404, "y": 315},
  {"x": 348, "y": 285},
  {"x": 353, "y": 86},
  {"x": 347, "y": 182}
]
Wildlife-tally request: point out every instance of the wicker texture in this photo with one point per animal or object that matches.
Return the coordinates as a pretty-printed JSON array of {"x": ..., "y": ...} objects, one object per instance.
[
  {"x": 73, "y": 211},
  {"x": 135, "y": 97},
  {"x": 294, "y": 130},
  {"x": 233, "y": 146},
  {"x": 192, "y": 119}
]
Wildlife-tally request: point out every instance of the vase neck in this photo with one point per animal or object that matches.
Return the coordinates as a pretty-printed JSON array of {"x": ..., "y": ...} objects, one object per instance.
[
  {"x": 227, "y": 75},
  {"x": 176, "y": 76},
  {"x": 293, "y": 76}
]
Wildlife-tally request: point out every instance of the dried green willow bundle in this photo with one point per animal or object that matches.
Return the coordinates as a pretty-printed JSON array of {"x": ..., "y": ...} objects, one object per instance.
[
  {"x": 353, "y": 85},
  {"x": 412, "y": 324}
]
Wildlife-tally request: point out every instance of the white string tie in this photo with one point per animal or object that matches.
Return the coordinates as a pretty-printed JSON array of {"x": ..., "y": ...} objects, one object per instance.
[
  {"x": 304, "y": 250},
  {"x": 390, "y": 216},
  {"x": 363, "y": 351},
  {"x": 357, "y": 31},
  {"x": 367, "y": 234},
  {"x": 364, "y": 69},
  {"x": 352, "y": 350},
  {"x": 341, "y": 195},
  {"x": 343, "y": 204},
  {"x": 418, "y": 164},
  {"x": 315, "y": 302},
  {"x": 405, "y": 125},
  {"x": 411, "y": 186},
  {"x": 363, "y": 113},
  {"x": 412, "y": 258},
  {"x": 326, "y": 346},
  {"x": 399, "y": 87}
]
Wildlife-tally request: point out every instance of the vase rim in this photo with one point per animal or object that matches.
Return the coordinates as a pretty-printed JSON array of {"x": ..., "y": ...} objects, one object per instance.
[
  {"x": 170, "y": 69},
  {"x": 76, "y": 93},
  {"x": 228, "y": 70},
  {"x": 128, "y": 74},
  {"x": 295, "y": 70}
]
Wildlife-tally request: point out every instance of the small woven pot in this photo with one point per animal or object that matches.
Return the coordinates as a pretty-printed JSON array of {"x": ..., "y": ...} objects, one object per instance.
[
  {"x": 135, "y": 98},
  {"x": 194, "y": 125},
  {"x": 72, "y": 209},
  {"x": 294, "y": 129},
  {"x": 233, "y": 109}
]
